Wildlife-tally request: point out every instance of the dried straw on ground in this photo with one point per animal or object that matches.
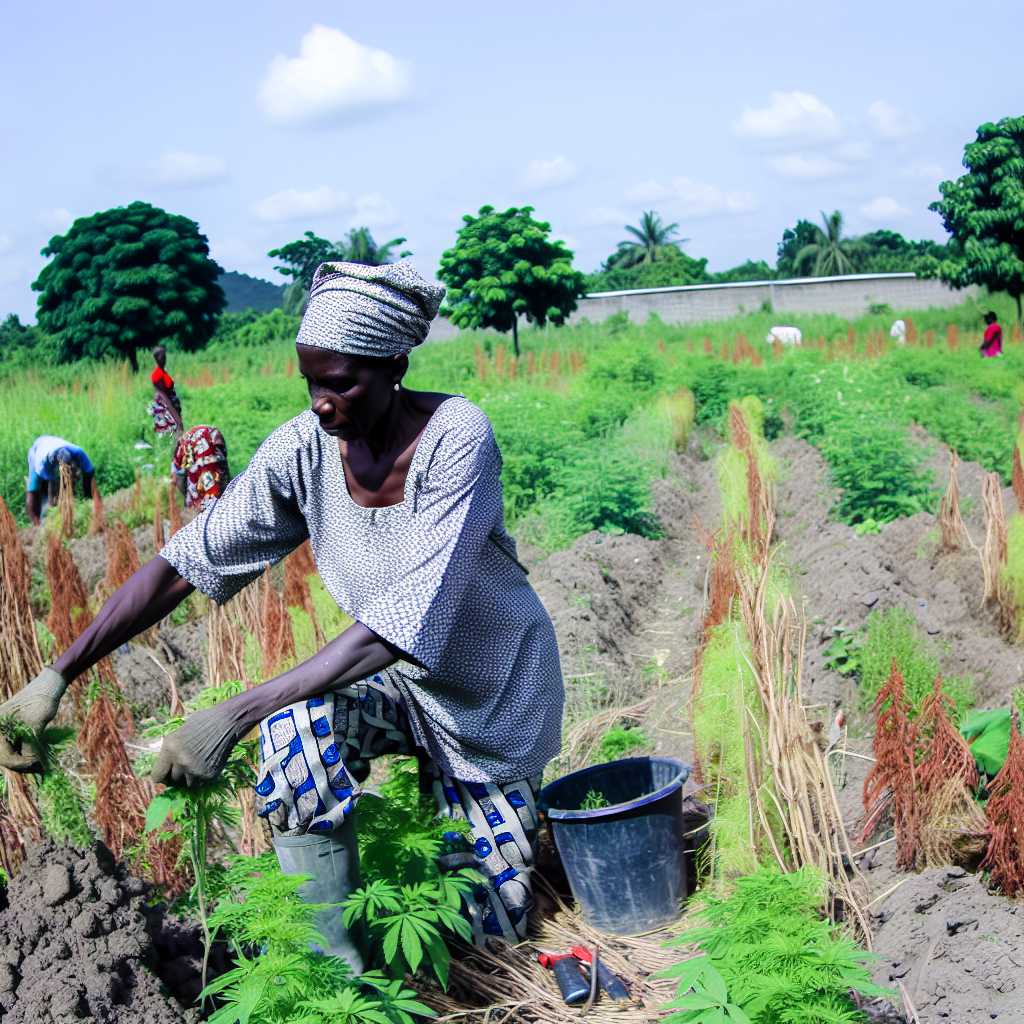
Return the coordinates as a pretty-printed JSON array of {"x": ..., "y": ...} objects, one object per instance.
[
  {"x": 158, "y": 522},
  {"x": 505, "y": 983},
  {"x": 951, "y": 524},
  {"x": 122, "y": 557},
  {"x": 277, "y": 641},
  {"x": 1018, "y": 478}
]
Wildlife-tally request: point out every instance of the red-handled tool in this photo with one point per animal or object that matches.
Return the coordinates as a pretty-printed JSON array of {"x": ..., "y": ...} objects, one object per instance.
[
  {"x": 610, "y": 983},
  {"x": 571, "y": 983}
]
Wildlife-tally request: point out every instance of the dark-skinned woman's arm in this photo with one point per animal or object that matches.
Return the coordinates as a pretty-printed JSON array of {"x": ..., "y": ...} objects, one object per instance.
[
  {"x": 199, "y": 749},
  {"x": 145, "y": 598}
]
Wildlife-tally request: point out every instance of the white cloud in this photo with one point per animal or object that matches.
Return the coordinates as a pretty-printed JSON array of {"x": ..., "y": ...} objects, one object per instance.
[
  {"x": 889, "y": 122},
  {"x": 179, "y": 167},
  {"x": 790, "y": 115},
  {"x": 883, "y": 208},
  {"x": 688, "y": 198},
  {"x": 540, "y": 174},
  {"x": 56, "y": 218},
  {"x": 332, "y": 75},
  {"x": 807, "y": 167},
  {"x": 294, "y": 203},
  {"x": 924, "y": 169},
  {"x": 605, "y": 217},
  {"x": 374, "y": 211},
  {"x": 853, "y": 152}
]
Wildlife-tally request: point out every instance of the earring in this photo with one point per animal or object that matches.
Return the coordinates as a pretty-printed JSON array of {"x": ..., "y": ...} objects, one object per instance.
[{"x": 398, "y": 387}]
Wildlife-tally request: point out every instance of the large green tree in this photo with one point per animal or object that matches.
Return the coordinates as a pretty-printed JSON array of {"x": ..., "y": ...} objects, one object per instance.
[
  {"x": 829, "y": 251},
  {"x": 504, "y": 265},
  {"x": 299, "y": 259},
  {"x": 127, "y": 279},
  {"x": 651, "y": 240},
  {"x": 794, "y": 239},
  {"x": 983, "y": 210}
]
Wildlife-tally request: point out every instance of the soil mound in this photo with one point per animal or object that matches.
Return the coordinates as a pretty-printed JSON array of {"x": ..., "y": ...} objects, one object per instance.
[
  {"x": 79, "y": 943},
  {"x": 955, "y": 947}
]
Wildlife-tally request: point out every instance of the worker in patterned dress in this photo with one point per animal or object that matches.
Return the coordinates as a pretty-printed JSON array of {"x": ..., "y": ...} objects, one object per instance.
[
  {"x": 200, "y": 466},
  {"x": 451, "y": 655}
]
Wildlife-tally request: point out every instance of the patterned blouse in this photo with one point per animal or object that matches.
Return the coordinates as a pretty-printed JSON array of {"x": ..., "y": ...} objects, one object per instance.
[{"x": 435, "y": 575}]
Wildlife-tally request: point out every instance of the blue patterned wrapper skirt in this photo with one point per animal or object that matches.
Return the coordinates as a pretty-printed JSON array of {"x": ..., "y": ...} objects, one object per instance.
[{"x": 314, "y": 756}]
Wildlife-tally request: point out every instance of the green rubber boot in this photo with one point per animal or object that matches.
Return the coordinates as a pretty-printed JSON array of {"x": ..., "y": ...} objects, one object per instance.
[{"x": 332, "y": 859}]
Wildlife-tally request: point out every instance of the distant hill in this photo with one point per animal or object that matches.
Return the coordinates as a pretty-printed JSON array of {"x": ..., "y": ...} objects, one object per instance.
[{"x": 245, "y": 292}]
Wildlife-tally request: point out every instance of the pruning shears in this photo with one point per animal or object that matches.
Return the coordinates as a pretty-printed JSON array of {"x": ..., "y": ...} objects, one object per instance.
[{"x": 572, "y": 971}]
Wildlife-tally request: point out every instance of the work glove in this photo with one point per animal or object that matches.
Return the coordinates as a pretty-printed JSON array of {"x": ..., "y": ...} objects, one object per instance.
[
  {"x": 33, "y": 706},
  {"x": 197, "y": 752}
]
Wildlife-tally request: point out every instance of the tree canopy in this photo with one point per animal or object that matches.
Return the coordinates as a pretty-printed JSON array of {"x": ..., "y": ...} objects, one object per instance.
[
  {"x": 651, "y": 240},
  {"x": 504, "y": 265},
  {"x": 983, "y": 210},
  {"x": 299, "y": 259},
  {"x": 828, "y": 252},
  {"x": 673, "y": 267},
  {"x": 127, "y": 279}
]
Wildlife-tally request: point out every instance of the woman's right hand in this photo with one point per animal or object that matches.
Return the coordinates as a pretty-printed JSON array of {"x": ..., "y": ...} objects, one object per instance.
[{"x": 31, "y": 708}]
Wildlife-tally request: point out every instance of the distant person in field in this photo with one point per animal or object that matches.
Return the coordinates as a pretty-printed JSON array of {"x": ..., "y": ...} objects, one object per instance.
[
  {"x": 992, "y": 342},
  {"x": 451, "y": 656},
  {"x": 45, "y": 458},
  {"x": 200, "y": 466},
  {"x": 165, "y": 408}
]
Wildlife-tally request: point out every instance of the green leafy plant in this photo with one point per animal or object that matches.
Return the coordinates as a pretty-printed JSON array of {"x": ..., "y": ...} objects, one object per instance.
[
  {"x": 594, "y": 801},
  {"x": 278, "y": 978},
  {"x": 769, "y": 957},
  {"x": 893, "y": 635},
  {"x": 621, "y": 741},
  {"x": 843, "y": 652},
  {"x": 61, "y": 803}
]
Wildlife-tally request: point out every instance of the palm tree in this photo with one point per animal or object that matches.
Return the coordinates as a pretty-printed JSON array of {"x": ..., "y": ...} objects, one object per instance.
[
  {"x": 650, "y": 242},
  {"x": 829, "y": 253},
  {"x": 360, "y": 247}
]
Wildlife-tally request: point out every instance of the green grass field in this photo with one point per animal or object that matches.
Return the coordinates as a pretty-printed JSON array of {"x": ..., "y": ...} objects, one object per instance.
[{"x": 575, "y": 416}]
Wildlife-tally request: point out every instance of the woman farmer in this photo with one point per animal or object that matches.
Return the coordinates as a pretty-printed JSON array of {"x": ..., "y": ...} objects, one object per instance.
[
  {"x": 992, "y": 342},
  {"x": 451, "y": 654},
  {"x": 165, "y": 407},
  {"x": 200, "y": 466}
]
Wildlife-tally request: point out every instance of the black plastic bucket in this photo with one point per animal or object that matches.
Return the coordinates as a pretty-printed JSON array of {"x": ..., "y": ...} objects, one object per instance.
[{"x": 625, "y": 861}]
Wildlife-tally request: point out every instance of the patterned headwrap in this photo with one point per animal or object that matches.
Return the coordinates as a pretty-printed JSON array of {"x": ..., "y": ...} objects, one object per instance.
[{"x": 368, "y": 311}]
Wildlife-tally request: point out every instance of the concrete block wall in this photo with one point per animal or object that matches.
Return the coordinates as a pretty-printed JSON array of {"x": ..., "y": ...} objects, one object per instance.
[{"x": 848, "y": 296}]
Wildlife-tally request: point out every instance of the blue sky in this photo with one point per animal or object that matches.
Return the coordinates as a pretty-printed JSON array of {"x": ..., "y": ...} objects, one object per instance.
[{"x": 262, "y": 120}]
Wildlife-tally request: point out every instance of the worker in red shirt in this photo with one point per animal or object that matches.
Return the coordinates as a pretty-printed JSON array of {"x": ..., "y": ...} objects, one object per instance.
[
  {"x": 992, "y": 343},
  {"x": 166, "y": 406}
]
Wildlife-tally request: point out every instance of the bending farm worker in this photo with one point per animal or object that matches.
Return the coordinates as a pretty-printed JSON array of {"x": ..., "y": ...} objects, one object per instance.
[
  {"x": 451, "y": 656},
  {"x": 200, "y": 466},
  {"x": 45, "y": 458}
]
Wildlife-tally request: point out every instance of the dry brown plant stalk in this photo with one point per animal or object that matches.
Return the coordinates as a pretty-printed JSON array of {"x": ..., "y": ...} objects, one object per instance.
[
  {"x": 158, "y": 521},
  {"x": 994, "y": 552},
  {"x": 1018, "y": 478},
  {"x": 20, "y": 658},
  {"x": 951, "y": 524},
  {"x": 1004, "y": 857},
  {"x": 225, "y": 646},
  {"x": 173, "y": 509},
  {"x": 296, "y": 587},
  {"x": 122, "y": 557},
  {"x": 69, "y": 603},
  {"x": 66, "y": 501},
  {"x": 953, "y": 828},
  {"x": 98, "y": 520},
  {"x": 892, "y": 785},
  {"x": 277, "y": 641},
  {"x": 800, "y": 795}
]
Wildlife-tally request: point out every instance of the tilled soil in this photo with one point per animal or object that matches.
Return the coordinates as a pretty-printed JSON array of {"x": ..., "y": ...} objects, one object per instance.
[
  {"x": 957, "y": 949},
  {"x": 81, "y": 944}
]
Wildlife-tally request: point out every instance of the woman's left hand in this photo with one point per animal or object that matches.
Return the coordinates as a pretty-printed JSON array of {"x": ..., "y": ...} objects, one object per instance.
[{"x": 197, "y": 752}]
